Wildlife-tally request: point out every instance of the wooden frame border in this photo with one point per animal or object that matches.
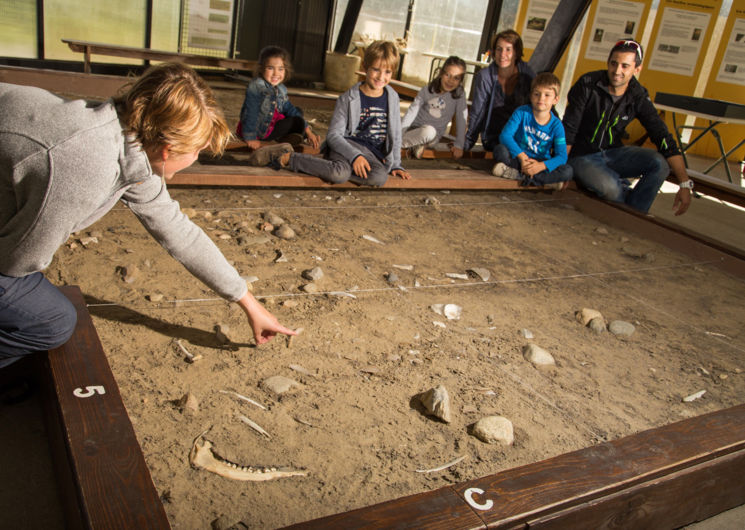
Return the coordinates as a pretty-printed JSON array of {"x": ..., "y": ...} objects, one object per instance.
[{"x": 662, "y": 478}]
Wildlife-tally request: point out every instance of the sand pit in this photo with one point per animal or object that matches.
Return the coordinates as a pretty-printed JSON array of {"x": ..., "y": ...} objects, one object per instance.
[{"x": 353, "y": 423}]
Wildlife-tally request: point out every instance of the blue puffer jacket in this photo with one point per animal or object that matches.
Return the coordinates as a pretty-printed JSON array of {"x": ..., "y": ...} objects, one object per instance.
[{"x": 258, "y": 108}]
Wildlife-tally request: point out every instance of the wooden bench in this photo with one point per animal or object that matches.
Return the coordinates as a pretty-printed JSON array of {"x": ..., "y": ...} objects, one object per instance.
[
  {"x": 422, "y": 179},
  {"x": 102, "y": 473},
  {"x": 715, "y": 187},
  {"x": 89, "y": 48},
  {"x": 661, "y": 478}
]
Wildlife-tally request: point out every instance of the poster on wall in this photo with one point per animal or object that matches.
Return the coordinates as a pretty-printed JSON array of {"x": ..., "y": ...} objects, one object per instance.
[
  {"x": 538, "y": 15},
  {"x": 679, "y": 41},
  {"x": 732, "y": 69},
  {"x": 614, "y": 20},
  {"x": 210, "y": 24}
]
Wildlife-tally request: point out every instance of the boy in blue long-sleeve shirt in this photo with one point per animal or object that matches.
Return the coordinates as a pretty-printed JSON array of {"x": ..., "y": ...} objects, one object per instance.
[{"x": 532, "y": 146}]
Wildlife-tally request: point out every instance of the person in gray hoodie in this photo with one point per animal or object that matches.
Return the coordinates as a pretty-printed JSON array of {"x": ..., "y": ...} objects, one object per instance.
[{"x": 64, "y": 164}]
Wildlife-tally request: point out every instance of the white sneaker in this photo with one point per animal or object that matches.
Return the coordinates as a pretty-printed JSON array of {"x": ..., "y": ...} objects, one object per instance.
[
  {"x": 417, "y": 151},
  {"x": 506, "y": 172}
]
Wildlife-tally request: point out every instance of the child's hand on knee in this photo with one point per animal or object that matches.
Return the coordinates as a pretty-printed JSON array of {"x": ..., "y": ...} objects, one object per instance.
[
  {"x": 313, "y": 139},
  {"x": 360, "y": 166}
]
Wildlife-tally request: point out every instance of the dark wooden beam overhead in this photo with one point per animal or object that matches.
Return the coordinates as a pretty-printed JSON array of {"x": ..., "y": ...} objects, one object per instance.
[
  {"x": 347, "y": 26},
  {"x": 491, "y": 23},
  {"x": 559, "y": 32}
]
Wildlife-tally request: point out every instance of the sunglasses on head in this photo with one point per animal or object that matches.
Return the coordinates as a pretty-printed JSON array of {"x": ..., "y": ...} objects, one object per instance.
[{"x": 630, "y": 44}]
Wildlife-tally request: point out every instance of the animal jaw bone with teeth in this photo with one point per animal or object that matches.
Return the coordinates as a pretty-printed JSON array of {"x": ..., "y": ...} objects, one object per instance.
[{"x": 202, "y": 457}]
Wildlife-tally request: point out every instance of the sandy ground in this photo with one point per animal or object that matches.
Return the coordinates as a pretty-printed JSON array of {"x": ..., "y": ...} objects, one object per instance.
[{"x": 353, "y": 423}]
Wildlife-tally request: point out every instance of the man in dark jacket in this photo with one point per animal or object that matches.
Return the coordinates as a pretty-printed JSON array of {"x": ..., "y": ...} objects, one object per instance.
[{"x": 600, "y": 106}]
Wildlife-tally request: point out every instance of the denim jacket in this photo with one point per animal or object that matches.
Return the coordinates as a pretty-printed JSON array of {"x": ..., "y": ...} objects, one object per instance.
[
  {"x": 491, "y": 108},
  {"x": 258, "y": 108},
  {"x": 346, "y": 118}
]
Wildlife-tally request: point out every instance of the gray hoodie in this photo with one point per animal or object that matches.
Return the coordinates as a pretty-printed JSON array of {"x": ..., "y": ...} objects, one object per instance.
[{"x": 63, "y": 165}]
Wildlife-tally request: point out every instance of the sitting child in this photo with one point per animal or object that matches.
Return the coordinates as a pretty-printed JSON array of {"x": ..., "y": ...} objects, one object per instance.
[
  {"x": 433, "y": 108},
  {"x": 363, "y": 144},
  {"x": 267, "y": 113},
  {"x": 532, "y": 146}
]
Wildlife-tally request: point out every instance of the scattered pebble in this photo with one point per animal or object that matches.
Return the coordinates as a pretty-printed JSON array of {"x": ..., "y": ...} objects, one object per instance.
[
  {"x": 289, "y": 303},
  {"x": 301, "y": 370},
  {"x": 313, "y": 274},
  {"x": 311, "y": 288},
  {"x": 439, "y": 324},
  {"x": 130, "y": 273},
  {"x": 281, "y": 258},
  {"x": 538, "y": 356},
  {"x": 585, "y": 315},
  {"x": 602, "y": 230},
  {"x": 597, "y": 325},
  {"x": 450, "y": 311},
  {"x": 284, "y": 232},
  {"x": 619, "y": 327},
  {"x": 279, "y": 384},
  {"x": 482, "y": 273},
  {"x": 188, "y": 403},
  {"x": 391, "y": 277},
  {"x": 456, "y": 275},
  {"x": 155, "y": 297},
  {"x": 526, "y": 333},
  {"x": 436, "y": 402},
  {"x": 274, "y": 219},
  {"x": 86, "y": 241},
  {"x": 372, "y": 370},
  {"x": 494, "y": 430}
]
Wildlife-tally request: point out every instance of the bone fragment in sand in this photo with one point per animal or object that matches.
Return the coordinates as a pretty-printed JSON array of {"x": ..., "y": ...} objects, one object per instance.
[{"x": 202, "y": 457}]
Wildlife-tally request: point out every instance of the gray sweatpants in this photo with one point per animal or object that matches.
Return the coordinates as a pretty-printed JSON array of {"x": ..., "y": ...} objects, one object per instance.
[{"x": 334, "y": 168}]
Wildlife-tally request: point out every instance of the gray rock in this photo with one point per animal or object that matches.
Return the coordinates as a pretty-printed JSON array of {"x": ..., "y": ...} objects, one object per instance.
[
  {"x": 188, "y": 403},
  {"x": 285, "y": 232},
  {"x": 526, "y": 333},
  {"x": 273, "y": 219},
  {"x": 538, "y": 356},
  {"x": 311, "y": 288},
  {"x": 279, "y": 384},
  {"x": 597, "y": 325},
  {"x": 619, "y": 327},
  {"x": 494, "y": 430},
  {"x": 436, "y": 402},
  {"x": 585, "y": 315},
  {"x": 392, "y": 277},
  {"x": 313, "y": 274}
]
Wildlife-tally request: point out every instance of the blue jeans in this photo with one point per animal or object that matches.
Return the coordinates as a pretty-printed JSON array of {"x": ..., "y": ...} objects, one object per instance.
[
  {"x": 34, "y": 316},
  {"x": 606, "y": 174},
  {"x": 560, "y": 174},
  {"x": 334, "y": 168}
]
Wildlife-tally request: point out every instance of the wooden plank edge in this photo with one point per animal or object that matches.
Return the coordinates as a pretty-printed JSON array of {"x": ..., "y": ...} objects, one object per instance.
[
  {"x": 284, "y": 179},
  {"x": 671, "y": 501},
  {"x": 437, "y": 509},
  {"x": 548, "y": 494},
  {"x": 723, "y": 256},
  {"x": 102, "y": 500}
]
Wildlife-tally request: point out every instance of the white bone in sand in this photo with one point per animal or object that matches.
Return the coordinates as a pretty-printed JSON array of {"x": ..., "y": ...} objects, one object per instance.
[{"x": 202, "y": 457}]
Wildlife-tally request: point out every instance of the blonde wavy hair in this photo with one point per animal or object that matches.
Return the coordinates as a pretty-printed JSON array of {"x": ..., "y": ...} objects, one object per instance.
[
  {"x": 170, "y": 105},
  {"x": 384, "y": 50}
]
